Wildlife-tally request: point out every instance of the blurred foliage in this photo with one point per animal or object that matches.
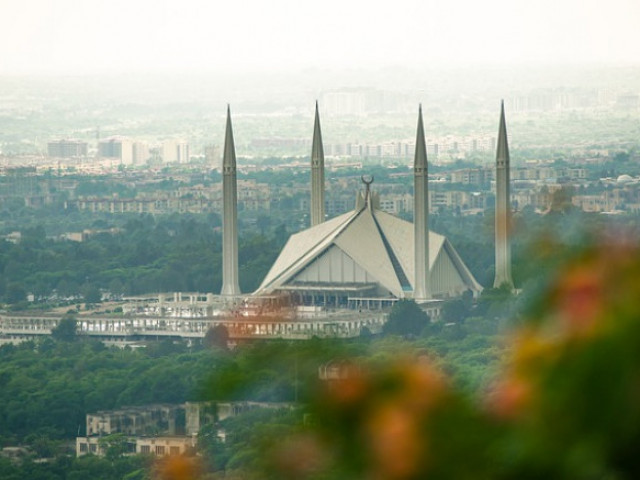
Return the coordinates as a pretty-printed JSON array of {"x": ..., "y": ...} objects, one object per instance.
[
  {"x": 275, "y": 370},
  {"x": 564, "y": 404},
  {"x": 234, "y": 444}
]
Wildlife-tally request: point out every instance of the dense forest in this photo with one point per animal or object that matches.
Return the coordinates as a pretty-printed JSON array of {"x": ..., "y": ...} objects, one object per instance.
[
  {"x": 146, "y": 255},
  {"x": 46, "y": 388}
]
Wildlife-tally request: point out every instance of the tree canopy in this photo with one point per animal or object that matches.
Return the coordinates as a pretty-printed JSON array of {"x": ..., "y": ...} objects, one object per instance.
[
  {"x": 146, "y": 255},
  {"x": 66, "y": 329},
  {"x": 406, "y": 318}
]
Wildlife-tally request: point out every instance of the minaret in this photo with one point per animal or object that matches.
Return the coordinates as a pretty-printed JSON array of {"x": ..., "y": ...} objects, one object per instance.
[
  {"x": 317, "y": 174},
  {"x": 230, "y": 285},
  {"x": 503, "y": 208},
  {"x": 421, "y": 216}
]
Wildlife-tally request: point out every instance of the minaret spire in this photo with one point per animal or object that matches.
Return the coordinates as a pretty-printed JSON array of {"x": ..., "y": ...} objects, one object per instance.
[
  {"x": 230, "y": 284},
  {"x": 503, "y": 207},
  {"x": 421, "y": 216},
  {"x": 317, "y": 173}
]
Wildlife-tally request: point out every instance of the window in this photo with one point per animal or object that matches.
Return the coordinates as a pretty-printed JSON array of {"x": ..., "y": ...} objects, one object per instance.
[
  {"x": 159, "y": 450},
  {"x": 174, "y": 450},
  {"x": 145, "y": 449},
  {"x": 84, "y": 448}
]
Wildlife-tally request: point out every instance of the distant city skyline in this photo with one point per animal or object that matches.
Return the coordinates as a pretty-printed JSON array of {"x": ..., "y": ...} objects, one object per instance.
[{"x": 74, "y": 37}]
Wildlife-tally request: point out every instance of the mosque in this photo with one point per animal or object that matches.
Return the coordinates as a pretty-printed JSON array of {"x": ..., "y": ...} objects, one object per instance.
[
  {"x": 366, "y": 254},
  {"x": 363, "y": 260}
]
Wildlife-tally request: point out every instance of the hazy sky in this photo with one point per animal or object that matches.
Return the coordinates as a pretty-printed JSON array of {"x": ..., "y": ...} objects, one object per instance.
[{"x": 75, "y": 36}]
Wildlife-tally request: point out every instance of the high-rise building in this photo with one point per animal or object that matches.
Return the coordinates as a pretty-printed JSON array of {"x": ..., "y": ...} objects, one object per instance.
[
  {"x": 175, "y": 151},
  {"x": 140, "y": 153},
  {"x": 212, "y": 154},
  {"x": 67, "y": 149},
  {"x": 119, "y": 148}
]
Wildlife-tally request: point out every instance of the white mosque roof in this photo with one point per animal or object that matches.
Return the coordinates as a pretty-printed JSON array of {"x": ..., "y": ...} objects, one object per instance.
[
  {"x": 379, "y": 244},
  {"x": 624, "y": 178}
]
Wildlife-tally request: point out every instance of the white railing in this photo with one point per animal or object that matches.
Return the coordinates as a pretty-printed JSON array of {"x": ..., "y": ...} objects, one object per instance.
[{"x": 348, "y": 326}]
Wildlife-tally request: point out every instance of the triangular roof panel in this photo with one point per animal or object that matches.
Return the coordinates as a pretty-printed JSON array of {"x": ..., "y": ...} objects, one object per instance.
[
  {"x": 302, "y": 244},
  {"x": 362, "y": 242}
]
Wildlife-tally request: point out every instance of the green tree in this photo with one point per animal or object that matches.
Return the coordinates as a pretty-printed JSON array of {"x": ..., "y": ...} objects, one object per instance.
[
  {"x": 406, "y": 318},
  {"x": 455, "y": 311},
  {"x": 217, "y": 336},
  {"x": 66, "y": 330},
  {"x": 114, "y": 445},
  {"x": 495, "y": 302},
  {"x": 561, "y": 200},
  {"x": 116, "y": 288},
  {"x": 91, "y": 294},
  {"x": 15, "y": 293},
  {"x": 263, "y": 222}
]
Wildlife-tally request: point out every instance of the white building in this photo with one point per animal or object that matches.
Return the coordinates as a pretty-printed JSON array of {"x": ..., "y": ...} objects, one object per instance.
[
  {"x": 175, "y": 151},
  {"x": 119, "y": 148}
]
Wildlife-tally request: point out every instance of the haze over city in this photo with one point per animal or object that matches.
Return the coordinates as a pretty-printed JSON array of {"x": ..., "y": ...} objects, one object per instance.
[{"x": 125, "y": 36}]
